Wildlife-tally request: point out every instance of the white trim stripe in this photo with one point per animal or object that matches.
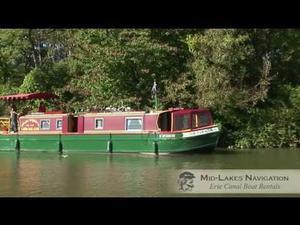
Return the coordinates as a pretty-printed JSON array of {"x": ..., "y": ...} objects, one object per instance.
[{"x": 200, "y": 132}]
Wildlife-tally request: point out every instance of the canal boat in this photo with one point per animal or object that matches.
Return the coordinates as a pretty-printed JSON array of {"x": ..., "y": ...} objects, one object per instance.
[{"x": 168, "y": 131}]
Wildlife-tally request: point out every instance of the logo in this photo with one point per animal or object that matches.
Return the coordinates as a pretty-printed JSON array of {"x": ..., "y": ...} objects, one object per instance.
[{"x": 186, "y": 181}]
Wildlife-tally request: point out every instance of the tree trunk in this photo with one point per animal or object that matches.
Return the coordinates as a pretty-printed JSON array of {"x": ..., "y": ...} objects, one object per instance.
[{"x": 30, "y": 38}]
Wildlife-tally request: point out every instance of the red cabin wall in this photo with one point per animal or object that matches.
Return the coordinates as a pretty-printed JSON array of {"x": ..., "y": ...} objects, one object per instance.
[
  {"x": 118, "y": 122},
  {"x": 110, "y": 123},
  {"x": 65, "y": 124},
  {"x": 52, "y": 122},
  {"x": 80, "y": 127},
  {"x": 150, "y": 122}
]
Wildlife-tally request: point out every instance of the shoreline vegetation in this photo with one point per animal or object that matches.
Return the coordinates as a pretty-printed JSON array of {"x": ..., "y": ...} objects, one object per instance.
[{"x": 248, "y": 78}]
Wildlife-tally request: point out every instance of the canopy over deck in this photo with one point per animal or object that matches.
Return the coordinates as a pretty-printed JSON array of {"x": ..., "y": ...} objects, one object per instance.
[{"x": 28, "y": 96}]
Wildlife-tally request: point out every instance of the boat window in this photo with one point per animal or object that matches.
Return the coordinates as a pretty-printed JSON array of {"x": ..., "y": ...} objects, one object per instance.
[
  {"x": 45, "y": 124},
  {"x": 58, "y": 124},
  {"x": 134, "y": 124},
  {"x": 200, "y": 119},
  {"x": 99, "y": 123},
  {"x": 204, "y": 119},
  {"x": 182, "y": 122}
]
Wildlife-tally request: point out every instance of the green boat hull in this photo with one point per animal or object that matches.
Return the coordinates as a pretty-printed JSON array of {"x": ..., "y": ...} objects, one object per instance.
[{"x": 148, "y": 143}]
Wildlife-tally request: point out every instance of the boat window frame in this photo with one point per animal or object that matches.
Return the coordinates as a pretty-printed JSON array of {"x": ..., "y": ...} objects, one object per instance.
[
  {"x": 195, "y": 114},
  {"x": 56, "y": 122},
  {"x": 175, "y": 119},
  {"x": 134, "y": 117},
  {"x": 49, "y": 122},
  {"x": 200, "y": 125},
  {"x": 99, "y": 128}
]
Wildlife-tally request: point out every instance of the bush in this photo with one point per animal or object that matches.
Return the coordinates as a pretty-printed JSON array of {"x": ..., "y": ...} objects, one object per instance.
[{"x": 279, "y": 129}]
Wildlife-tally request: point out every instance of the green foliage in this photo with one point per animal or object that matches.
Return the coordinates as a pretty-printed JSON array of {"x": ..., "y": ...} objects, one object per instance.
[
  {"x": 280, "y": 129},
  {"x": 245, "y": 77},
  {"x": 120, "y": 65},
  {"x": 12, "y": 59},
  {"x": 33, "y": 81},
  {"x": 221, "y": 70}
]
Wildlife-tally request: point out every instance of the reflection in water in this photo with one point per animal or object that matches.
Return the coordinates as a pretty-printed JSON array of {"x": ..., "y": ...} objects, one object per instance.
[
  {"x": 156, "y": 159},
  {"x": 18, "y": 153},
  {"x": 91, "y": 174}
]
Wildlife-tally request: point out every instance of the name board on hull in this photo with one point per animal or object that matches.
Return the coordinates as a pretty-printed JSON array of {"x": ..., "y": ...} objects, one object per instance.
[
  {"x": 30, "y": 124},
  {"x": 201, "y": 132}
]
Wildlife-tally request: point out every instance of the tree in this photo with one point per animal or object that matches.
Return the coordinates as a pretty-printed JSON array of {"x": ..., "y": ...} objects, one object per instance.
[
  {"x": 119, "y": 65},
  {"x": 239, "y": 74}
]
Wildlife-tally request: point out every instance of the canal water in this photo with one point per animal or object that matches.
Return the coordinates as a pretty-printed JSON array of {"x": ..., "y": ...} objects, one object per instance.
[{"x": 46, "y": 174}]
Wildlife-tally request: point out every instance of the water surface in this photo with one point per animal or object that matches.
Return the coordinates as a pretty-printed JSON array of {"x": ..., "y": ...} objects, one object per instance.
[{"x": 46, "y": 174}]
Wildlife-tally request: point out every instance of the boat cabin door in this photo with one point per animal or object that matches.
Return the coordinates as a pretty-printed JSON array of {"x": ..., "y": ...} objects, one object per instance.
[
  {"x": 164, "y": 121},
  {"x": 70, "y": 124}
]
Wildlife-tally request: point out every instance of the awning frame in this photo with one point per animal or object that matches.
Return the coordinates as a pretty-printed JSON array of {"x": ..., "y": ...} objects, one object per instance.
[{"x": 28, "y": 96}]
